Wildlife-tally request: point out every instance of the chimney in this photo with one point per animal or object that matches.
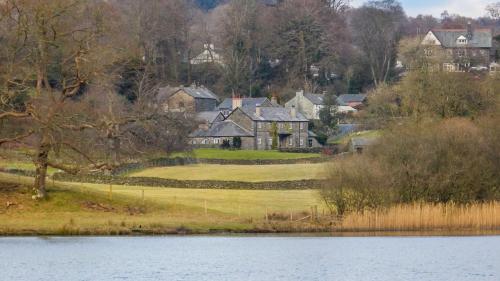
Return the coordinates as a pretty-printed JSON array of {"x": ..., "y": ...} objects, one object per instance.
[
  {"x": 293, "y": 112},
  {"x": 300, "y": 94},
  {"x": 274, "y": 99},
  {"x": 237, "y": 102},
  {"x": 257, "y": 110},
  {"x": 470, "y": 31}
]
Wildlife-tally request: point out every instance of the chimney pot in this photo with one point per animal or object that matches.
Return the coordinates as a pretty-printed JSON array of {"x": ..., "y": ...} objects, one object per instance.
[
  {"x": 293, "y": 112},
  {"x": 257, "y": 110}
]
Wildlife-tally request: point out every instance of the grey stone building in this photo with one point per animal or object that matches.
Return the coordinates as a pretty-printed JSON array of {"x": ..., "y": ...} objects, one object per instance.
[
  {"x": 187, "y": 99},
  {"x": 307, "y": 104},
  {"x": 460, "y": 49}
]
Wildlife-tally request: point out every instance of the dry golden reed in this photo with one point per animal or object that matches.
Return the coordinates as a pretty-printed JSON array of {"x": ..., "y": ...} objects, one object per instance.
[{"x": 409, "y": 217}]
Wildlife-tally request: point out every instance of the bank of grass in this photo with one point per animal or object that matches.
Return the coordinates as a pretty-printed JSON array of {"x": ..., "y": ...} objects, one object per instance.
[
  {"x": 246, "y": 173},
  {"x": 86, "y": 209},
  {"x": 212, "y": 153}
]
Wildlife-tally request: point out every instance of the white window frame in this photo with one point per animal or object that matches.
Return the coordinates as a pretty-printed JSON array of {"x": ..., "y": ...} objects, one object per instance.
[
  {"x": 270, "y": 141},
  {"x": 216, "y": 141},
  {"x": 290, "y": 142},
  {"x": 290, "y": 126},
  {"x": 301, "y": 126},
  {"x": 259, "y": 125},
  {"x": 301, "y": 141},
  {"x": 259, "y": 141}
]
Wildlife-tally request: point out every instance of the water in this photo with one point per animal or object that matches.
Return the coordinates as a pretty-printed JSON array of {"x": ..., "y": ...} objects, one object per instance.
[{"x": 251, "y": 258}]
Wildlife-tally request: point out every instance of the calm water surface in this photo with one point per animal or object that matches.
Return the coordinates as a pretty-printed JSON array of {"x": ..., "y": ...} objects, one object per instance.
[{"x": 251, "y": 258}]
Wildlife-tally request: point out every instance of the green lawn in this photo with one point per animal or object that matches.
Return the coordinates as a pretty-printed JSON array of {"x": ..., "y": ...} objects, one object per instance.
[
  {"x": 206, "y": 153},
  {"x": 247, "y": 173},
  {"x": 21, "y": 165}
]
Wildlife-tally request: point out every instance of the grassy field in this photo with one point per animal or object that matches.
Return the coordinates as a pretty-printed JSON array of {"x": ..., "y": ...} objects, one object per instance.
[
  {"x": 88, "y": 208},
  {"x": 21, "y": 165},
  {"x": 76, "y": 208},
  {"x": 207, "y": 153},
  {"x": 248, "y": 173}
]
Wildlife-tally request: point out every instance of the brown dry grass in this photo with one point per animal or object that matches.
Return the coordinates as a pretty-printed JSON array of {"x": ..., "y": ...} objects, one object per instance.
[{"x": 421, "y": 217}]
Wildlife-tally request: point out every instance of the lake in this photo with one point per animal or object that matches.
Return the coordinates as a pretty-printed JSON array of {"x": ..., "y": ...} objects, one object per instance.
[{"x": 251, "y": 258}]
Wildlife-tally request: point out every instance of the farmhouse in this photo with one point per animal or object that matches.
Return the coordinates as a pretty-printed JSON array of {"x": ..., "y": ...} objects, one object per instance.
[
  {"x": 187, "y": 99},
  {"x": 257, "y": 127},
  {"x": 460, "y": 49},
  {"x": 307, "y": 104}
]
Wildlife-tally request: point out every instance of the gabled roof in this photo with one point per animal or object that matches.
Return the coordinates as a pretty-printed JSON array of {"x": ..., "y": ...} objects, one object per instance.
[
  {"x": 221, "y": 129},
  {"x": 317, "y": 99},
  {"x": 481, "y": 38},
  {"x": 348, "y": 98},
  {"x": 277, "y": 114},
  {"x": 208, "y": 116},
  {"x": 197, "y": 92},
  {"x": 227, "y": 103}
]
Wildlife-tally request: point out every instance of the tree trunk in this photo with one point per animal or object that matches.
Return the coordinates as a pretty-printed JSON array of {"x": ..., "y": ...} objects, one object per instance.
[{"x": 41, "y": 164}]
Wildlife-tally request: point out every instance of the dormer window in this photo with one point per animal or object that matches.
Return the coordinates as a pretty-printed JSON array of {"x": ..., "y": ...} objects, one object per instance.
[{"x": 462, "y": 40}]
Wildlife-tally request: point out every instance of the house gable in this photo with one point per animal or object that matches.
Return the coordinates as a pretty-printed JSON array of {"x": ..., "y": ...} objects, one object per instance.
[{"x": 431, "y": 40}]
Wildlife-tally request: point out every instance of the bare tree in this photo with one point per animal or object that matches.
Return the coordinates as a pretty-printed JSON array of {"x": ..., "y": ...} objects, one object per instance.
[{"x": 376, "y": 31}]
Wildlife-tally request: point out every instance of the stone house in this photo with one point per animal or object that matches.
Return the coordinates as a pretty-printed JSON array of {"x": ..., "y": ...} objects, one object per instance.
[
  {"x": 459, "y": 49},
  {"x": 307, "y": 104},
  {"x": 208, "y": 55},
  {"x": 219, "y": 132},
  {"x": 286, "y": 127},
  {"x": 187, "y": 99}
]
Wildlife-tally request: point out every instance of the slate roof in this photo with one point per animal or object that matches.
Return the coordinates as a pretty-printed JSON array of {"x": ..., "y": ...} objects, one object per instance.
[
  {"x": 358, "y": 142},
  {"x": 197, "y": 92},
  {"x": 482, "y": 38},
  {"x": 223, "y": 129},
  {"x": 317, "y": 99},
  {"x": 245, "y": 102},
  {"x": 346, "y": 99},
  {"x": 208, "y": 116},
  {"x": 278, "y": 114}
]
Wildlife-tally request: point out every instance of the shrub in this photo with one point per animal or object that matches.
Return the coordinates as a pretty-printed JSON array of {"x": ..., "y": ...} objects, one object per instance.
[{"x": 454, "y": 160}]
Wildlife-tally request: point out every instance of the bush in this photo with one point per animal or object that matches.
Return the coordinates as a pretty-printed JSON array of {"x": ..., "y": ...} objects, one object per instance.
[{"x": 455, "y": 160}]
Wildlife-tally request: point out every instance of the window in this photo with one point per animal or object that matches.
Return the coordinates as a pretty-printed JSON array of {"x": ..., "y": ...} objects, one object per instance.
[
  {"x": 301, "y": 142},
  {"x": 181, "y": 104},
  {"x": 302, "y": 126},
  {"x": 259, "y": 125},
  {"x": 290, "y": 126},
  {"x": 461, "y": 40},
  {"x": 216, "y": 141},
  {"x": 204, "y": 141},
  {"x": 290, "y": 141},
  {"x": 193, "y": 142},
  {"x": 259, "y": 141},
  {"x": 428, "y": 52},
  {"x": 270, "y": 141},
  {"x": 461, "y": 53}
]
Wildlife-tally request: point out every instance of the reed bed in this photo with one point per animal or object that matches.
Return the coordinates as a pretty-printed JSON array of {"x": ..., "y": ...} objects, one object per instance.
[{"x": 424, "y": 216}]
